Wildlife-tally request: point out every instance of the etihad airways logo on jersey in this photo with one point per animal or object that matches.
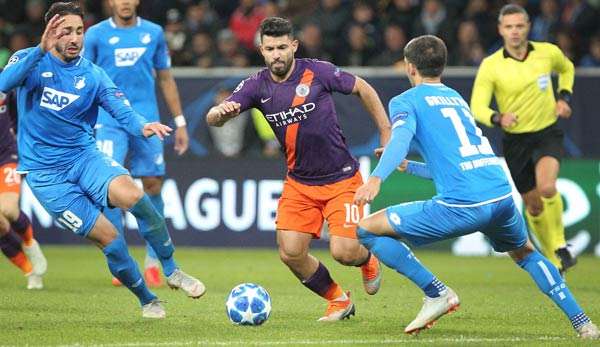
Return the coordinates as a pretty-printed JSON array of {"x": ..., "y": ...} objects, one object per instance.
[
  {"x": 291, "y": 115},
  {"x": 56, "y": 100},
  {"x": 128, "y": 56}
]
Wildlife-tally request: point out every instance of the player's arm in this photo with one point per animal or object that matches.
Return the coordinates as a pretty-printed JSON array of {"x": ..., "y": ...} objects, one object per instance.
[
  {"x": 372, "y": 103},
  {"x": 171, "y": 93},
  {"x": 566, "y": 77},
  {"x": 415, "y": 168},
  {"x": 162, "y": 64},
  {"x": 239, "y": 101},
  {"x": 221, "y": 113},
  {"x": 21, "y": 64},
  {"x": 113, "y": 101},
  {"x": 404, "y": 125},
  {"x": 481, "y": 96}
]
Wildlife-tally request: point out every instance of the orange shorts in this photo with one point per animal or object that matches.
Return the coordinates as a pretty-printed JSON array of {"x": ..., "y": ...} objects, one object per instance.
[
  {"x": 10, "y": 180},
  {"x": 303, "y": 208}
]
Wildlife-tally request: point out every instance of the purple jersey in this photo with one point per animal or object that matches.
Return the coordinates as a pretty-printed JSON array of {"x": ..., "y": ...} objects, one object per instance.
[
  {"x": 8, "y": 124},
  {"x": 302, "y": 114}
]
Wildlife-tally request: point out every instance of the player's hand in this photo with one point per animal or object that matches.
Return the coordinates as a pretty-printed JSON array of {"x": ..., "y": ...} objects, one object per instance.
[
  {"x": 563, "y": 110},
  {"x": 52, "y": 33},
  {"x": 368, "y": 191},
  {"x": 229, "y": 109},
  {"x": 508, "y": 120},
  {"x": 155, "y": 128},
  {"x": 182, "y": 140},
  {"x": 378, "y": 151},
  {"x": 403, "y": 166}
]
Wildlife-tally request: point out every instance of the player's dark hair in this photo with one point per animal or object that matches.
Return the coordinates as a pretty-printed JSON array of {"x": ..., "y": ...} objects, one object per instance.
[
  {"x": 512, "y": 9},
  {"x": 276, "y": 27},
  {"x": 428, "y": 53},
  {"x": 63, "y": 8}
]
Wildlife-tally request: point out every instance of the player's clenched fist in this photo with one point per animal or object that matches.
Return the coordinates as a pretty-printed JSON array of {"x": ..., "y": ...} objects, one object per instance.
[
  {"x": 229, "y": 109},
  {"x": 155, "y": 128}
]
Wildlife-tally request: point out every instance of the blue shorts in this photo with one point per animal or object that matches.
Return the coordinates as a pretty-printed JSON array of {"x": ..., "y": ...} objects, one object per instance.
[
  {"x": 75, "y": 195},
  {"x": 145, "y": 154},
  {"x": 424, "y": 222}
]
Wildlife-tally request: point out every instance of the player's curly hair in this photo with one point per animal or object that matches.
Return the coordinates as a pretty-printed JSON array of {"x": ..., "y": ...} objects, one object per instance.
[
  {"x": 276, "y": 27},
  {"x": 63, "y": 8},
  {"x": 428, "y": 53}
]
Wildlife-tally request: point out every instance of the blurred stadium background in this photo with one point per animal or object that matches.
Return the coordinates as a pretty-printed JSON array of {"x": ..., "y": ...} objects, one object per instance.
[{"x": 224, "y": 191}]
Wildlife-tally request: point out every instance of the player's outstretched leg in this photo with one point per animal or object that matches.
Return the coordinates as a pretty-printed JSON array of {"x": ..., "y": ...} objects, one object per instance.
[
  {"x": 551, "y": 283},
  {"x": 439, "y": 299},
  {"x": 152, "y": 186},
  {"x": 123, "y": 267},
  {"x": 124, "y": 193},
  {"x": 293, "y": 251},
  {"x": 115, "y": 216}
]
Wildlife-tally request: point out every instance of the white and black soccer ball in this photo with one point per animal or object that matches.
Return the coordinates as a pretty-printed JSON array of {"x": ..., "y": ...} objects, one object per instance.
[{"x": 248, "y": 304}]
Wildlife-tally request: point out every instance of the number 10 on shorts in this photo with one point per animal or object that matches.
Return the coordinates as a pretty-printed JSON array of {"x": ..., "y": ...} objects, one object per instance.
[{"x": 352, "y": 213}]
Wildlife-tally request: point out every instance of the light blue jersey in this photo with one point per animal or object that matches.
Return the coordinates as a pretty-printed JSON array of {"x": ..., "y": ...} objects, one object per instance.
[
  {"x": 130, "y": 57},
  {"x": 461, "y": 161},
  {"x": 58, "y": 104}
]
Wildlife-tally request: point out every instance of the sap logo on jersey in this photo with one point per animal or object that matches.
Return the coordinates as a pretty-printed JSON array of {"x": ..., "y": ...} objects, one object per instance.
[
  {"x": 128, "y": 56},
  {"x": 56, "y": 100}
]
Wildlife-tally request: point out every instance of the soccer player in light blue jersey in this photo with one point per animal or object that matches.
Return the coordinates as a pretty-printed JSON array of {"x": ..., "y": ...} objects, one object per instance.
[
  {"x": 473, "y": 193},
  {"x": 58, "y": 95},
  {"x": 132, "y": 51}
]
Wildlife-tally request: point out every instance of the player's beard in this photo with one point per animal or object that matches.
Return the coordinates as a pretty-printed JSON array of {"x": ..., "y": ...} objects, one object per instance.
[
  {"x": 66, "y": 54},
  {"x": 281, "y": 70}
]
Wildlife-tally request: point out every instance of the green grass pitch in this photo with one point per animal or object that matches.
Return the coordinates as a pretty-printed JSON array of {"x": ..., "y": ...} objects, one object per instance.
[{"x": 79, "y": 306}]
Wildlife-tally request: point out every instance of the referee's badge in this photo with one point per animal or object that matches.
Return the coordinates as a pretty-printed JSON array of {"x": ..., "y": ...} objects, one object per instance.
[{"x": 543, "y": 82}]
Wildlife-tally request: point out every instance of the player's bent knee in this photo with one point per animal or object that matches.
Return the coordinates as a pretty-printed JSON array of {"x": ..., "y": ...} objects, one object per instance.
[
  {"x": 345, "y": 257},
  {"x": 152, "y": 185},
  {"x": 9, "y": 208},
  {"x": 521, "y": 253},
  {"x": 292, "y": 255}
]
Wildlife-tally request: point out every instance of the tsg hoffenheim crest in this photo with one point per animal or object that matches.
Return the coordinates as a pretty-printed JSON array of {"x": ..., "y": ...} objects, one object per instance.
[{"x": 79, "y": 82}]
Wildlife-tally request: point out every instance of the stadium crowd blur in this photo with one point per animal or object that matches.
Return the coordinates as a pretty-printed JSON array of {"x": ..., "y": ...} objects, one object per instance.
[{"x": 221, "y": 33}]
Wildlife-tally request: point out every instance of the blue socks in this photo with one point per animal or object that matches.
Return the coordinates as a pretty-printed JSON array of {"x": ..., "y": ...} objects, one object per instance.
[
  {"x": 551, "y": 283},
  {"x": 115, "y": 216},
  {"x": 154, "y": 231},
  {"x": 159, "y": 205},
  {"x": 123, "y": 267},
  {"x": 396, "y": 255}
]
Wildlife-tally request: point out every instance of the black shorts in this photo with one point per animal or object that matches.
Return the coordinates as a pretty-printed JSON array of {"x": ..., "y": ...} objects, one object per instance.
[{"x": 522, "y": 152}]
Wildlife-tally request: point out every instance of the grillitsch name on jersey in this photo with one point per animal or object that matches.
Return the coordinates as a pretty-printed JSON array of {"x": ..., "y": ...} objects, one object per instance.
[{"x": 291, "y": 115}]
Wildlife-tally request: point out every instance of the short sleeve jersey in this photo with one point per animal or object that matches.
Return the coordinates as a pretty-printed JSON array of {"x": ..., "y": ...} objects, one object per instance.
[
  {"x": 130, "y": 57},
  {"x": 302, "y": 114},
  {"x": 463, "y": 165}
]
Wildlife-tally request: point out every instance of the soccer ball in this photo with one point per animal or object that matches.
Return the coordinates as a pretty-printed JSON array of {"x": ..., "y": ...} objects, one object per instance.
[{"x": 248, "y": 304}]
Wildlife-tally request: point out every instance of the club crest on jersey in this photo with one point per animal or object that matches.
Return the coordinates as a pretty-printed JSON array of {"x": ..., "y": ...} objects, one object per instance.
[
  {"x": 145, "y": 38},
  {"x": 56, "y": 100},
  {"x": 114, "y": 40},
  {"x": 302, "y": 90},
  {"x": 79, "y": 82},
  {"x": 128, "y": 56}
]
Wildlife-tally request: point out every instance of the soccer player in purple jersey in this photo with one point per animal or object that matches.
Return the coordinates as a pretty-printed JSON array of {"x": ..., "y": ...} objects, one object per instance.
[
  {"x": 295, "y": 97},
  {"x": 16, "y": 234}
]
